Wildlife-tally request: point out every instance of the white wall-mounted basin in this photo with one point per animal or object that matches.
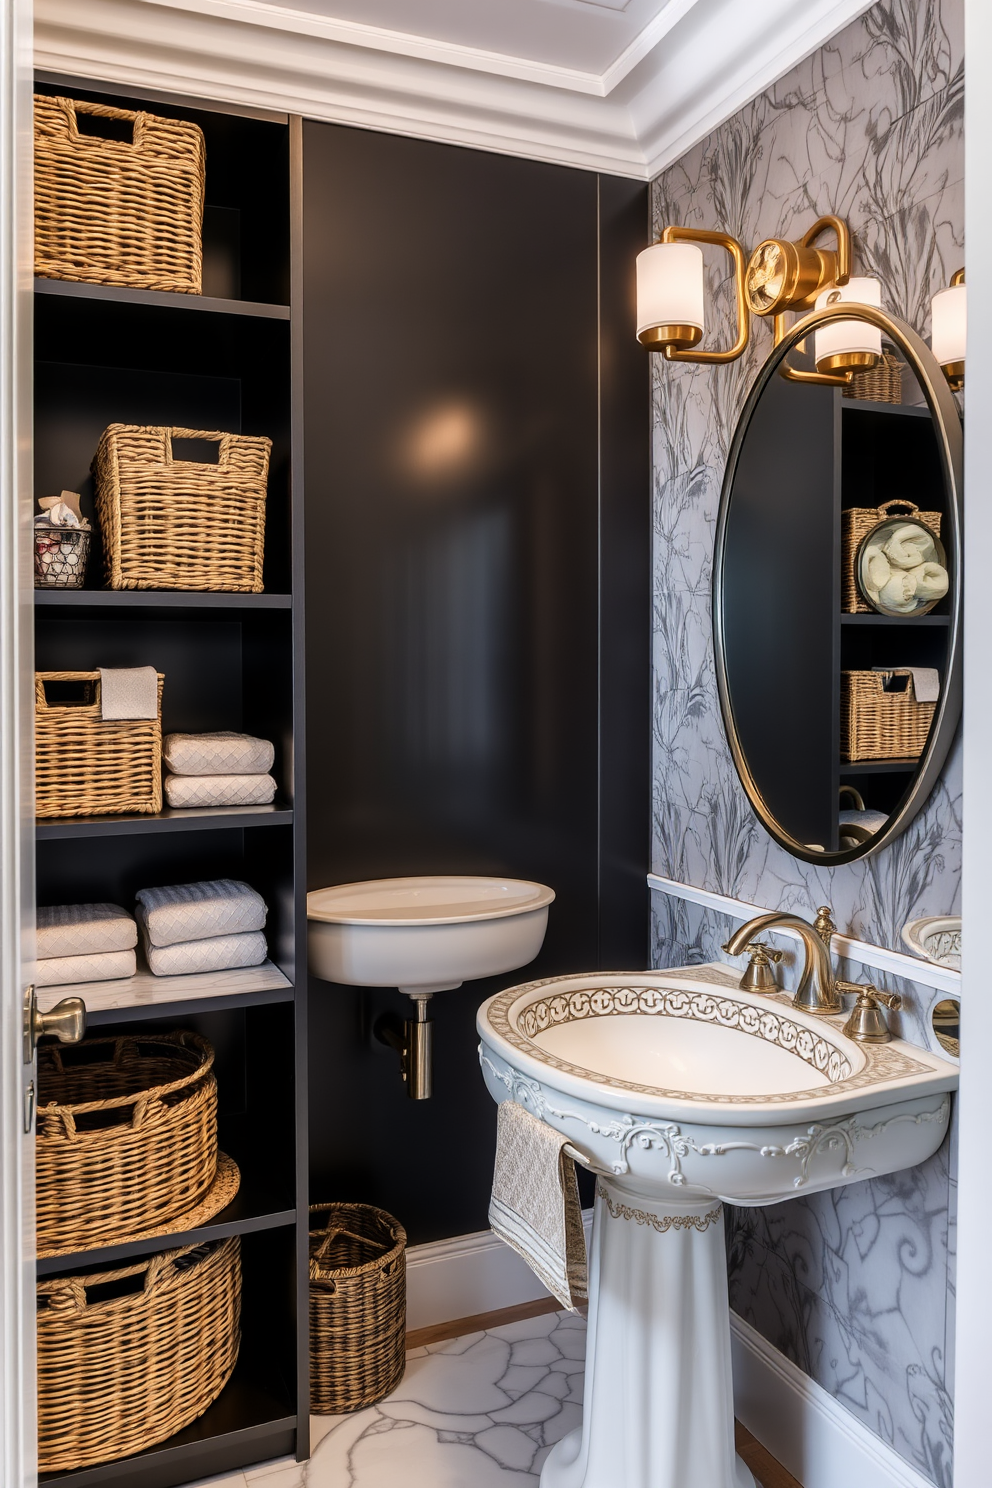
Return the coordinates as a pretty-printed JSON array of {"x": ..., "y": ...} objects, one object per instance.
[{"x": 425, "y": 935}]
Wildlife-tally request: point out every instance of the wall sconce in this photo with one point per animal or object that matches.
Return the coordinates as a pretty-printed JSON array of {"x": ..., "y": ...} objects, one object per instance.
[
  {"x": 778, "y": 277},
  {"x": 949, "y": 327}
]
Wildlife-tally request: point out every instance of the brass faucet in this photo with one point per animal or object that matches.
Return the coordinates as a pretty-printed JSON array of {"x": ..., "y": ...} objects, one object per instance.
[{"x": 816, "y": 992}]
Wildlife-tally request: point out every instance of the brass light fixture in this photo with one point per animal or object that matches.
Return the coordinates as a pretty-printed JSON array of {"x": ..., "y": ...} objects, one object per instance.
[
  {"x": 949, "y": 322},
  {"x": 780, "y": 276}
]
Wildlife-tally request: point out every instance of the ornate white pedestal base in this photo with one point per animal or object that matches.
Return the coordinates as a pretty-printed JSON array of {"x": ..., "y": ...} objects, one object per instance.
[{"x": 659, "y": 1402}]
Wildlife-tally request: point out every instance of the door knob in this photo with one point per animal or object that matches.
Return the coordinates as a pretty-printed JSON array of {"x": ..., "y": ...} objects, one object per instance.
[{"x": 66, "y": 1022}]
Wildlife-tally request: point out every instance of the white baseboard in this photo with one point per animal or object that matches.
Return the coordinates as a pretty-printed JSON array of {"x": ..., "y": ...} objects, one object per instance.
[
  {"x": 807, "y": 1430},
  {"x": 814, "y": 1437}
]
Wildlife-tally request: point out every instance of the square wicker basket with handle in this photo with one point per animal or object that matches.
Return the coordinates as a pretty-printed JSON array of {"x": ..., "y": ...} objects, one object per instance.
[
  {"x": 169, "y": 523},
  {"x": 118, "y": 211},
  {"x": 86, "y": 765},
  {"x": 858, "y": 521}
]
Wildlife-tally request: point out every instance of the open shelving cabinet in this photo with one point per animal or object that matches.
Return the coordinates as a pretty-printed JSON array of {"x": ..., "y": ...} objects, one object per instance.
[{"x": 227, "y": 359}]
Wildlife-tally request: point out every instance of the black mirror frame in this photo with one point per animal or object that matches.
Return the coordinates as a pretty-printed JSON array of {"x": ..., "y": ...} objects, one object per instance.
[{"x": 947, "y": 424}]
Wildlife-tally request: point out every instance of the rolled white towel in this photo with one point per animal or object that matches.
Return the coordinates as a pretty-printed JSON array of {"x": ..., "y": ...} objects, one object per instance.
[
  {"x": 199, "y": 911},
  {"x": 931, "y": 581},
  {"x": 900, "y": 591},
  {"x": 83, "y": 930},
  {"x": 219, "y": 953},
  {"x": 875, "y": 569},
  {"x": 105, "y": 966},
  {"x": 219, "y": 790},
  {"x": 909, "y": 546}
]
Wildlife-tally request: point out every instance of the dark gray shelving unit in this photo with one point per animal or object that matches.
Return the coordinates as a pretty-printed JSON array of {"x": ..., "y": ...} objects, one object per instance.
[{"x": 228, "y": 359}]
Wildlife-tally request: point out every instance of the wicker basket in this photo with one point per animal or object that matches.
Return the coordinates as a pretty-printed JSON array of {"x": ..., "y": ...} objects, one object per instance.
[
  {"x": 111, "y": 211},
  {"x": 357, "y": 1307},
  {"x": 127, "y": 1140},
  {"x": 89, "y": 766},
  {"x": 880, "y": 384},
  {"x": 858, "y": 521},
  {"x": 179, "y": 524},
  {"x": 119, "y": 1373},
  {"x": 880, "y": 725}
]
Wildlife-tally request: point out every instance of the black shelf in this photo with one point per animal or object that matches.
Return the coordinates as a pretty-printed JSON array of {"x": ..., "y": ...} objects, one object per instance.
[
  {"x": 189, "y": 1008},
  {"x": 195, "y": 819},
  {"x": 897, "y": 620},
  {"x": 880, "y": 767},
  {"x": 243, "y": 1216},
  {"x": 113, "y": 294},
  {"x": 893, "y": 410},
  {"x": 249, "y": 1422},
  {"x": 158, "y": 599}
]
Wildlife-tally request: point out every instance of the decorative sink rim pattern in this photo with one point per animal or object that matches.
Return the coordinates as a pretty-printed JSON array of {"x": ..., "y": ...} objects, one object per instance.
[{"x": 890, "y": 1072}]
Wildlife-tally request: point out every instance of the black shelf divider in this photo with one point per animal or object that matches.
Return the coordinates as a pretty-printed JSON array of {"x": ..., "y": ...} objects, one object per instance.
[
  {"x": 218, "y": 1229},
  {"x": 898, "y": 621},
  {"x": 158, "y": 599},
  {"x": 168, "y": 819},
  {"x": 879, "y": 767},
  {"x": 187, "y": 1008},
  {"x": 113, "y": 294}
]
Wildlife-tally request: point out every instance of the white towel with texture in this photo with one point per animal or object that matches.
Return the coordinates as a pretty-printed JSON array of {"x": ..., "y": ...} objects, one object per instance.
[
  {"x": 105, "y": 966},
  {"x": 220, "y": 953},
  {"x": 128, "y": 692},
  {"x": 83, "y": 930},
  {"x": 219, "y": 790},
  {"x": 535, "y": 1203},
  {"x": 217, "y": 754},
  {"x": 199, "y": 911}
]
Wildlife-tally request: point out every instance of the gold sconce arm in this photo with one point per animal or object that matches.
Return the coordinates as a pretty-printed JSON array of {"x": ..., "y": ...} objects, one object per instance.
[
  {"x": 674, "y": 234},
  {"x": 836, "y": 265},
  {"x": 795, "y": 374}
]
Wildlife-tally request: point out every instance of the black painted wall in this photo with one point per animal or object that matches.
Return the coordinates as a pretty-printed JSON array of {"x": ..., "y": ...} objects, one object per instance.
[{"x": 478, "y": 606}]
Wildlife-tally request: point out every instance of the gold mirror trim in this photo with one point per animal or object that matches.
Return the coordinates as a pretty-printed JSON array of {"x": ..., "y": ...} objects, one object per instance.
[
  {"x": 947, "y": 428},
  {"x": 673, "y": 353}
]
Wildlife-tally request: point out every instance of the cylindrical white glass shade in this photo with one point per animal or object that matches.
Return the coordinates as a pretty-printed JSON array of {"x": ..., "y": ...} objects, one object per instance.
[
  {"x": 949, "y": 310},
  {"x": 844, "y": 338},
  {"x": 669, "y": 286}
]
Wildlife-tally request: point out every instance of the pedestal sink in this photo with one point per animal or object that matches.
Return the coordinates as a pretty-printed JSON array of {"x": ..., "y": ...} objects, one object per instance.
[
  {"x": 681, "y": 1091},
  {"x": 423, "y": 935}
]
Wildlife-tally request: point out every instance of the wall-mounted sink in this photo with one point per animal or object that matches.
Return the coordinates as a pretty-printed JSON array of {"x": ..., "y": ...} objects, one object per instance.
[
  {"x": 423, "y": 935},
  {"x": 680, "y": 1090}
]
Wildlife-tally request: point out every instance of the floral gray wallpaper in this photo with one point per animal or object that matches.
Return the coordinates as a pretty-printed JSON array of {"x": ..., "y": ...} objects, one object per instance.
[{"x": 856, "y": 1286}]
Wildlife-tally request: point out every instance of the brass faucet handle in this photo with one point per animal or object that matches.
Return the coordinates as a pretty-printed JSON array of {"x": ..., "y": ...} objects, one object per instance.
[
  {"x": 867, "y": 1023},
  {"x": 759, "y": 976}
]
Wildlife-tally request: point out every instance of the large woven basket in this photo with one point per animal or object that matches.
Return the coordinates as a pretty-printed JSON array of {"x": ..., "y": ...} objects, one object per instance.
[
  {"x": 86, "y": 765},
  {"x": 112, "y": 211},
  {"x": 119, "y": 1373},
  {"x": 857, "y": 522},
  {"x": 357, "y": 1306},
  {"x": 169, "y": 523},
  {"x": 880, "y": 384},
  {"x": 127, "y": 1140},
  {"x": 880, "y": 725}
]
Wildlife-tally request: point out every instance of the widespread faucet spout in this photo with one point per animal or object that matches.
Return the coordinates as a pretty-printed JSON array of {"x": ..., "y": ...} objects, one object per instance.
[{"x": 816, "y": 992}]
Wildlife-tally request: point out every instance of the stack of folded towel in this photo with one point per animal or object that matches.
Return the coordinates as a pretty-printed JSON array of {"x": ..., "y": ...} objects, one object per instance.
[
  {"x": 218, "y": 770},
  {"x": 202, "y": 927},
  {"x": 84, "y": 943}
]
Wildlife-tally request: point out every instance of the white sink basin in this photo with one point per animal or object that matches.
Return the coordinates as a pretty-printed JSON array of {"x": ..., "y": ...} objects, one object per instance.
[
  {"x": 425, "y": 935},
  {"x": 679, "y": 1090}
]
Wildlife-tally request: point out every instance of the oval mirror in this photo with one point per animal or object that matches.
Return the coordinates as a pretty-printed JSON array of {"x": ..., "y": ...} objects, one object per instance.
[{"x": 837, "y": 593}]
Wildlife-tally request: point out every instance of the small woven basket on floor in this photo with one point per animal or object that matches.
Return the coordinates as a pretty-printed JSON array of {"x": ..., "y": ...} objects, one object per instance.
[
  {"x": 857, "y": 522},
  {"x": 357, "y": 1306},
  {"x": 171, "y": 523},
  {"x": 880, "y": 384},
  {"x": 86, "y": 765},
  {"x": 880, "y": 725},
  {"x": 117, "y": 211},
  {"x": 127, "y": 1139},
  {"x": 119, "y": 1373}
]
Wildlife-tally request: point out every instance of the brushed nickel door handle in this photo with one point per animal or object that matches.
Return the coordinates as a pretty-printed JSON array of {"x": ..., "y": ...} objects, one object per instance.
[{"x": 66, "y": 1022}]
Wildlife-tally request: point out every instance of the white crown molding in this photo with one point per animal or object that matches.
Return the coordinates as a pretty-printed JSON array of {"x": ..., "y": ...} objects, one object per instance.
[
  {"x": 693, "y": 66},
  {"x": 879, "y": 958}
]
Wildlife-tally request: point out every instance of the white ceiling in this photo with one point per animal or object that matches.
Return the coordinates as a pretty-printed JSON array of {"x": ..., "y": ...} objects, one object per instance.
[{"x": 587, "y": 35}]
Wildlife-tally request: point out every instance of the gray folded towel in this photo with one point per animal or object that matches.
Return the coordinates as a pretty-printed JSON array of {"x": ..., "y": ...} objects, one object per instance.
[
  {"x": 220, "y": 953},
  {"x": 199, "y": 911},
  {"x": 83, "y": 930},
  {"x": 535, "y": 1203},
  {"x": 105, "y": 966},
  {"x": 128, "y": 692},
  {"x": 217, "y": 754},
  {"x": 219, "y": 790},
  {"x": 926, "y": 681}
]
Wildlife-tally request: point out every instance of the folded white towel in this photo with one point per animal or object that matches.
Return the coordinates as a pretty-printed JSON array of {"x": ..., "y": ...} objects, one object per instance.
[
  {"x": 199, "y": 911},
  {"x": 219, "y": 953},
  {"x": 128, "y": 692},
  {"x": 83, "y": 930},
  {"x": 217, "y": 754},
  {"x": 219, "y": 790},
  {"x": 105, "y": 966},
  {"x": 535, "y": 1202}
]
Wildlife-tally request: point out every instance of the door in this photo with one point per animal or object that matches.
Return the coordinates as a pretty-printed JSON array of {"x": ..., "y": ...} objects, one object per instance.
[{"x": 17, "y": 1249}]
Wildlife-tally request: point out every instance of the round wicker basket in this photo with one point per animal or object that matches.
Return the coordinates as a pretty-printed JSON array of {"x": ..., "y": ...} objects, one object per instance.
[
  {"x": 357, "y": 1307},
  {"x": 127, "y": 1138},
  {"x": 128, "y": 1357}
]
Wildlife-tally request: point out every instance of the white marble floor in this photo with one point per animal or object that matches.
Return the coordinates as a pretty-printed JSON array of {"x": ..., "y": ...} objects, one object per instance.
[{"x": 481, "y": 1411}]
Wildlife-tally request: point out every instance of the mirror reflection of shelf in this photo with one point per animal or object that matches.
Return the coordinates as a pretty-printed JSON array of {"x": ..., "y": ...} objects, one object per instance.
[
  {"x": 879, "y": 767},
  {"x": 900, "y": 623}
]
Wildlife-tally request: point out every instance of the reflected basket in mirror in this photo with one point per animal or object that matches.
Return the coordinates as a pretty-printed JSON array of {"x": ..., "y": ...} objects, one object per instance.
[
  {"x": 858, "y": 522},
  {"x": 879, "y": 384},
  {"x": 880, "y": 718}
]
